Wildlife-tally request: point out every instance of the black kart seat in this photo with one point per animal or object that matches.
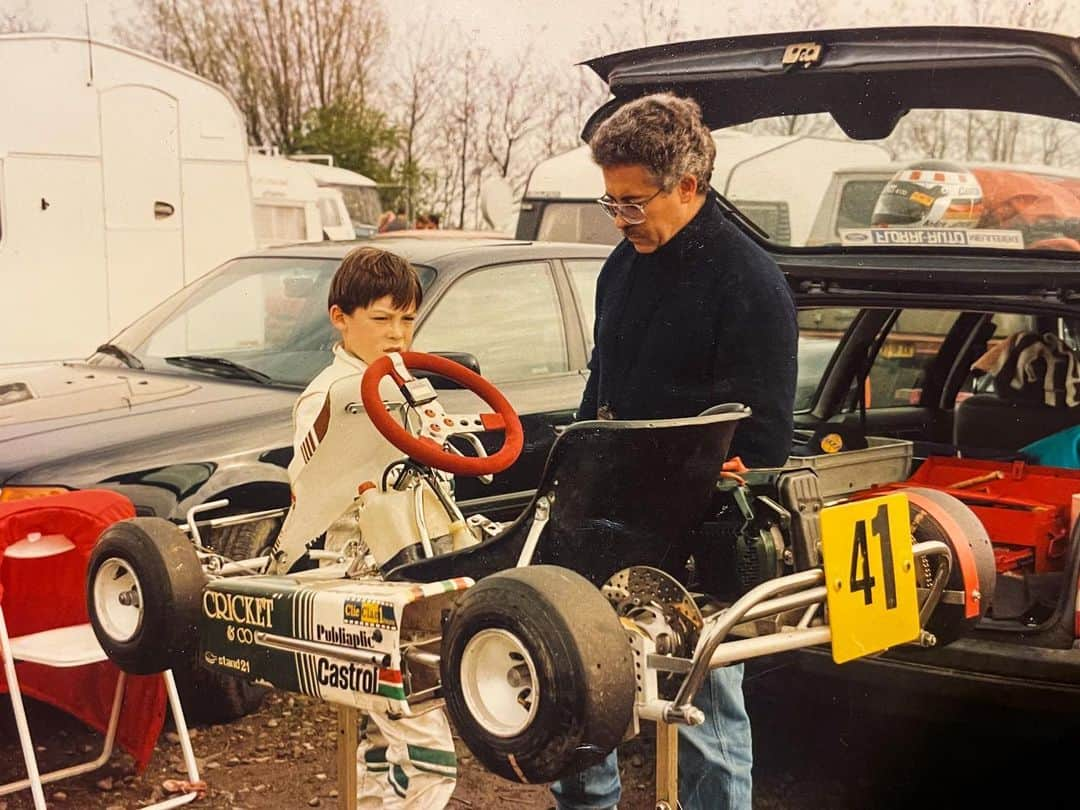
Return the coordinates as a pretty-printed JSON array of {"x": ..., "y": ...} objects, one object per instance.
[
  {"x": 621, "y": 493},
  {"x": 987, "y": 421}
]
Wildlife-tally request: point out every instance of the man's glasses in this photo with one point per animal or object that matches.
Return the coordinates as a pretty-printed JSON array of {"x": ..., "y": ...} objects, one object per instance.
[{"x": 632, "y": 213}]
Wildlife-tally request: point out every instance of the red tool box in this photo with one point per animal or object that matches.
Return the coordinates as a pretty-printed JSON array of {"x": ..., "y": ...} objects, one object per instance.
[{"x": 1025, "y": 508}]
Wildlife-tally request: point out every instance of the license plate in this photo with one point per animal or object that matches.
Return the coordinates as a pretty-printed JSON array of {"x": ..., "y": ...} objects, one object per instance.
[{"x": 870, "y": 574}]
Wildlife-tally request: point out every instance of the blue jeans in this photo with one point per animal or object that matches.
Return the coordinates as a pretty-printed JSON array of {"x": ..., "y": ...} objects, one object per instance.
[{"x": 714, "y": 758}]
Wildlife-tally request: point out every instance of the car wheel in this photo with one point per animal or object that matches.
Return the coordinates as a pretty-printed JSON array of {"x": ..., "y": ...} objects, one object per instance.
[
  {"x": 537, "y": 673},
  {"x": 144, "y": 595},
  {"x": 936, "y": 515}
]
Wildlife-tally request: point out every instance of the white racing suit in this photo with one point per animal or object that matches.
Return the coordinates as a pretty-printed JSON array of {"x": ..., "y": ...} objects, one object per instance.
[{"x": 408, "y": 762}]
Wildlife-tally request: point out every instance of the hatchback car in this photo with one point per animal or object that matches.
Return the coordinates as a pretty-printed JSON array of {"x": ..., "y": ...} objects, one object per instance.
[{"x": 896, "y": 314}]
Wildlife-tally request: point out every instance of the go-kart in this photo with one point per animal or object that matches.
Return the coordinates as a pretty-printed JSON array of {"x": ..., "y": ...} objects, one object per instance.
[{"x": 550, "y": 638}]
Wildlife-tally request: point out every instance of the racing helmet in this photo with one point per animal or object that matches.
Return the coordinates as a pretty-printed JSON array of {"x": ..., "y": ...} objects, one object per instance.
[{"x": 930, "y": 194}]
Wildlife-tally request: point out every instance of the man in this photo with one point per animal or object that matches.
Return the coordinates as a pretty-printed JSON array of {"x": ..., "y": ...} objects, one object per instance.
[{"x": 690, "y": 313}]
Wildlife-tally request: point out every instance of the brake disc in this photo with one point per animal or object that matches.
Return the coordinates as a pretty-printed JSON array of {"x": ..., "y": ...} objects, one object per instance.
[{"x": 661, "y": 608}]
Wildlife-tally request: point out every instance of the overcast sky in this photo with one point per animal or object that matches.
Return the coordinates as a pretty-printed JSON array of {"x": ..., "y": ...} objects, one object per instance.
[{"x": 564, "y": 28}]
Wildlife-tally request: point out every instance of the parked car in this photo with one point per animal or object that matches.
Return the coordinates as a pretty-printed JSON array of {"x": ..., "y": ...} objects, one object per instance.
[
  {"x": 891, "y": 324},
  {"x": 192, "y": 403}
]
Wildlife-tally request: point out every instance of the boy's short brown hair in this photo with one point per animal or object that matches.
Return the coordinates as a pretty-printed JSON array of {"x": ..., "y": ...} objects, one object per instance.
[{"x": 367, "y": 274}]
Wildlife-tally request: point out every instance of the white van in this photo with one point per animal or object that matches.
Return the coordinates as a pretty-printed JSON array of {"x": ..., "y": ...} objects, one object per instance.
[
  {"x": 360, "y": 193},
  {"x": 121, "y": 179},
  {"x": 777, "y": 181},
  {"x": 286, "y": 202}
]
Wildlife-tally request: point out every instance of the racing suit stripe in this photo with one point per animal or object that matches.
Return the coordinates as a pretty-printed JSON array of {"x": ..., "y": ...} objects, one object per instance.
[
  {"x": 399, "y": 780},
  {"x": 375, "y": 759},
  {"x": 433, "y": 760}
]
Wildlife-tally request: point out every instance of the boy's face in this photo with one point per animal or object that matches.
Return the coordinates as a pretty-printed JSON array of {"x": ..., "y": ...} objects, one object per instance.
[{"x": 369, "y": 332}]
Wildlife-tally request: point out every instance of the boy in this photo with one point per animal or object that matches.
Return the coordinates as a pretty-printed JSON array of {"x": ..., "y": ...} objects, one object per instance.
[{"x": 407, "y": 762}]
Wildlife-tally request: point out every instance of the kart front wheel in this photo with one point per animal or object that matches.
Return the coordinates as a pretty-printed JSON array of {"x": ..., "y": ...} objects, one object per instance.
[
  {"x": 143, "y": 591},
  {"x": 537, "y": 673}
]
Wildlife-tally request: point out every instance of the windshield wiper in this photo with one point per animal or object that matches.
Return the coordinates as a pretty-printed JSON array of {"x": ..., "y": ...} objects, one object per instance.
[
  {"x": 123, "y": 355},
  {"x": 212, "y": 365}
]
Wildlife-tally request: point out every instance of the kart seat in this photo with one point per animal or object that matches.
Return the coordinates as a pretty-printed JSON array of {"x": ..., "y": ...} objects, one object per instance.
[
  {"x": 621, "y": 493},
  {"x": 988, "y": 421}
]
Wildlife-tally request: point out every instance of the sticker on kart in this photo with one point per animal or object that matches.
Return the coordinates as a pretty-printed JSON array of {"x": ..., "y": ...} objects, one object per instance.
[
  {"x": 317, "y": 638},
  {"x": 870, "y": 572}
]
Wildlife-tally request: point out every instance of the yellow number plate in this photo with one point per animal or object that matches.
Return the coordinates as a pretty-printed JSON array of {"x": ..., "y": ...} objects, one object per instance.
[{"x": 870, "y": 573}]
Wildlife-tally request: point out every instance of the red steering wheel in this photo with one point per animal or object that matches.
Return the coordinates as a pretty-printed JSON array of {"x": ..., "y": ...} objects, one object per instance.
[{"x": 437, "y": 425}]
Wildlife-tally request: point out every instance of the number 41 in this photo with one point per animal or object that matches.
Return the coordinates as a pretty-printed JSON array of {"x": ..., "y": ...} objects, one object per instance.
[{"x": 860, "y": 558}]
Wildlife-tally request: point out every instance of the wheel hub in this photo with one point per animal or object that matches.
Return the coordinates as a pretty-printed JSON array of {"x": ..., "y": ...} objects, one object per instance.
[
  {"x": 498, "y": 682},
  {"x": 117, "y": 595}
]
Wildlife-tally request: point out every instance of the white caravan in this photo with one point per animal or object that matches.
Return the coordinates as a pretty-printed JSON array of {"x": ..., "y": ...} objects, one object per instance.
[
  {"x": 360, "y": 193},
  {"x": 121, "y": 179},
  {"x": 777, "y": 181}
]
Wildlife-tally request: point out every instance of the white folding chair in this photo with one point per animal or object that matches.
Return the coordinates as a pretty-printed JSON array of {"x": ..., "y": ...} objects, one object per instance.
[{"x": 72, "y": 646}]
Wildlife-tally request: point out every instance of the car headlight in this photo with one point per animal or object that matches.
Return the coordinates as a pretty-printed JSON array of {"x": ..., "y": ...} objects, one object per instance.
[{"x": 8, "y": 494}]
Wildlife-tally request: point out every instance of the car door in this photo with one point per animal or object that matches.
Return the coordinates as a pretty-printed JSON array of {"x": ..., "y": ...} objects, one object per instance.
[{"x": 518, "y": 322}]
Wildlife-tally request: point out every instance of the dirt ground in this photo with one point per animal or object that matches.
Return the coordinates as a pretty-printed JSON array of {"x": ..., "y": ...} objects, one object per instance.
[{"x": 283, "y": 756}]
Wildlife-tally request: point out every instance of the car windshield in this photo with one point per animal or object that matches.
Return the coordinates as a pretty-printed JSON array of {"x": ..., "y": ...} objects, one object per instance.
[
  {"x": 253, "y": 318},
  {"x": 951, "y": 179}
]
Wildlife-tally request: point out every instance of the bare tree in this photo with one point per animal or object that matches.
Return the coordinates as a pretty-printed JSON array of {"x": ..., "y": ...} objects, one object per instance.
[
  {"x": 19, "y": 22},
  {"x": 277, "y": 58}
]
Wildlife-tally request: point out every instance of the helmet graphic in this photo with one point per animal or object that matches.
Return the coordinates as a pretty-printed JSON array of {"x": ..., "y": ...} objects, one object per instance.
[{"x": 930, "y": 194}]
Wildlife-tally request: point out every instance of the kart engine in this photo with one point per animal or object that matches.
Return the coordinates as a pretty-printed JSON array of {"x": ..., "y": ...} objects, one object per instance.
[{"x": 761, "y": 528}]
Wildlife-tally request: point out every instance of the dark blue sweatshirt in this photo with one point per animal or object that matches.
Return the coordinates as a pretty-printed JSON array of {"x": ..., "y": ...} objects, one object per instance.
[{"x": 705, "y": 319}]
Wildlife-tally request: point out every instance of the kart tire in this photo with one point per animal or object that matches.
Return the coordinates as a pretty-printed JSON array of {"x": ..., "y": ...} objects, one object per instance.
[
  {"x": 537, "y": 673},
  {"x": 152, "y": 565},
  {"x": 209, "y": 696},
  {"x": 948, "y": 622},
  {"x": 244, "y": 541},
  {"x": 216, "y": 697}
]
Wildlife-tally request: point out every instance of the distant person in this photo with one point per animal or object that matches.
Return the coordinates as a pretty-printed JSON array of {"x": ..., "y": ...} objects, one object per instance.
[
  {"x": 400, "y": 222},
  {"x": 385, "y": 218},
  {"x": 422, "y": 223},
  {"x": 433, "y": 221}
]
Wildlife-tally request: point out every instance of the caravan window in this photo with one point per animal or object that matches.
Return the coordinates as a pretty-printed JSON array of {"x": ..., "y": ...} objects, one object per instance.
[{"x": 278, "y": 224}]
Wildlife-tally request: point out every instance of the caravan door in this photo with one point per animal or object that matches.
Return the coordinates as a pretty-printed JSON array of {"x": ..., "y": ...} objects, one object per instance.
[{"x": 140, "y": 150}]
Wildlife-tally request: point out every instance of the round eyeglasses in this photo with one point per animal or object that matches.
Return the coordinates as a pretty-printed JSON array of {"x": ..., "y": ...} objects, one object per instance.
[{"x": 631, "y": 213}]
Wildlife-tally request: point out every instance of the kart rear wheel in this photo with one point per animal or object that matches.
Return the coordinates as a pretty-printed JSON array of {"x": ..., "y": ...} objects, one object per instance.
[
  {"x": 537, "y": 673},
  {"x": 936, "y": 515},
  {"x": 144, "y": 591}
]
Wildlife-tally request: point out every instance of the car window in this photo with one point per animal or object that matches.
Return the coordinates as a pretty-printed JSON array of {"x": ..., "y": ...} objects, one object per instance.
[
  {"x": 583, "y": 275},
  {"x": 508, "y": 316},
  {"x": 820, "y": 331},
  {"x": 1003, "y": 324},
  {"x": 902, "y": 364}
]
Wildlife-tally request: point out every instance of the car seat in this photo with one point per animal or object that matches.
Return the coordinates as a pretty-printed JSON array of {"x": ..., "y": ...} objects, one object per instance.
[
  {"x": 613, "y": 494},
  {"x": 990, "y": 422}
]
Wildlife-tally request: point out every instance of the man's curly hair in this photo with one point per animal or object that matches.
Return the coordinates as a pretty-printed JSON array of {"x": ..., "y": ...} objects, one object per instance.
[{"x": 663, "y": 133}]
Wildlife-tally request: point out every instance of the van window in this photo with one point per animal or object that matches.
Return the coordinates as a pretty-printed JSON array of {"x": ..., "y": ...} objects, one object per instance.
[
  {"x": 276, "y": 224},
  {"x": 508, "y": 316},
  {"x": 580, "y": 221},
  {"x": 328, "y": 213},
  {"x": 773, "y": 217},
  {"x": 857, "y": 200}
]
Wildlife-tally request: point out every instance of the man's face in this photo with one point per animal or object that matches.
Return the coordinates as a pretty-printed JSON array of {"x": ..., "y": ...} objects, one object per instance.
[
  {"x": 369, "y": 332},
  {"x": 665, "y": 214}
]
